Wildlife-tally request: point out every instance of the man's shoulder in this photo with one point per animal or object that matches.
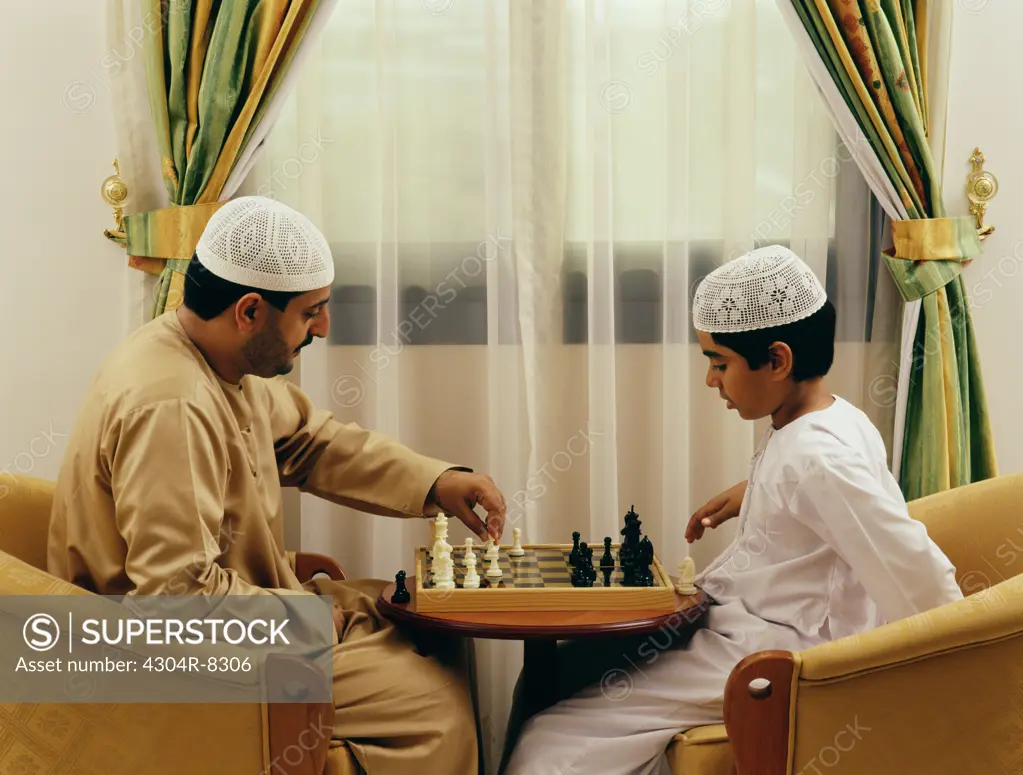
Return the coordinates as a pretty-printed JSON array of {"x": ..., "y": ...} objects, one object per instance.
[{"x": 152, "y": 365}]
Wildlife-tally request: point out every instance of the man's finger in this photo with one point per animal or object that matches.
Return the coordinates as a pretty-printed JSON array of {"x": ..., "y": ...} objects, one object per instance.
[
  {"x": 472, "y": 520},
  {"x": 491, "y": 499},
  {"x": 497, "y": 494}
]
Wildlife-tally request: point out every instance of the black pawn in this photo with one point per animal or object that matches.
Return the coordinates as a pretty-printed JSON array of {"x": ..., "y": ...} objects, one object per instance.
[
  {"x": 401, "y": 595},
  {"x": 591, "y": 572},
  {"x": 573, "y": 557},
  {"x": 580, "y": 573},
  {"x": 607, "y": 562}
]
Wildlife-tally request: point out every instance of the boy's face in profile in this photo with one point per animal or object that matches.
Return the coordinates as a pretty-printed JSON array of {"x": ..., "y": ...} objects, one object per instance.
[{"x": 753, "y": 393}]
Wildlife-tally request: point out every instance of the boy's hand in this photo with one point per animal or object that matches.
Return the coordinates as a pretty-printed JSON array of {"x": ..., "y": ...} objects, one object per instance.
[{"x": 718, "y": 509}]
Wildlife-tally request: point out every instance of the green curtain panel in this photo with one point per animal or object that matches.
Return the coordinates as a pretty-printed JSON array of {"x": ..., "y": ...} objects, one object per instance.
[
  {"x": 212, "y": 68},
  {"x": 872, "y": 51}
]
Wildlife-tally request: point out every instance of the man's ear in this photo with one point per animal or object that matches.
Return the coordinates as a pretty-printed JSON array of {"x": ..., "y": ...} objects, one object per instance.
[{"x": 248, "y": 311}]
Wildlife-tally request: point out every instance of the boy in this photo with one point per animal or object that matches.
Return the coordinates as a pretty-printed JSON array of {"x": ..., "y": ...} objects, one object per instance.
[{"x": 824, "y": 548}]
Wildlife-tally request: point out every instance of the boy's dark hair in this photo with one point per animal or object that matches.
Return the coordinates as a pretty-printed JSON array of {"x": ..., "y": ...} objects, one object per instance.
[
  {"x": 207, "y": 295},
  {"x": 812, "y": 341}
]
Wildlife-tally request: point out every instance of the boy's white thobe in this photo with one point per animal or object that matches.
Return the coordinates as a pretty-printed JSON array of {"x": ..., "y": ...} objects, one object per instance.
[{"x": 824, "y": 548}]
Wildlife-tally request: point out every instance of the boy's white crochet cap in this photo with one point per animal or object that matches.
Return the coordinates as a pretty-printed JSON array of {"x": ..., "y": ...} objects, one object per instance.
[
  {"x": 260, "y": 243},
  {"x": 765, "y": 288}
]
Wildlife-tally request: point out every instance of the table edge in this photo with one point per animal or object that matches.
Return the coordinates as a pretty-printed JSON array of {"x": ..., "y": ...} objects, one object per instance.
[{"x": 697, "y": 608}]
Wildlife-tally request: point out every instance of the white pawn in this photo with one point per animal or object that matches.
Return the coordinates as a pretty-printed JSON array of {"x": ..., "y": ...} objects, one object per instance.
[
  {"x": 472, "y": 578},
  {"x": 492, "y": 552},
  {"x": 517, "y": 550},
  {"x": 686, "y": 577},
  {"x": 494, "y": 570}
]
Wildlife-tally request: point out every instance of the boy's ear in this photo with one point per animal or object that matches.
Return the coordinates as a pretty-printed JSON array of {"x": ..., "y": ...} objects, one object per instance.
[{"x": 780, "y": 358}]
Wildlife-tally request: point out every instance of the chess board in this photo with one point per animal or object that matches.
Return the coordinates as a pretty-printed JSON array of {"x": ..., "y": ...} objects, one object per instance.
[{"x": 539, "y": 580}]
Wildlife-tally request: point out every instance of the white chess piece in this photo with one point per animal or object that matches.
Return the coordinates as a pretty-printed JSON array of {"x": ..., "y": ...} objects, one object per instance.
[
  {"x": 686, "y": 577},
  {"x": 444, "y": 571},
  {"x": 440, "y": 542},
  {"x": 517, "y": 550},
  {"x": 440, "y": 527},
  {"x": 435, "y": 548},
  {"x": 472, "y": 578},
  {"x": 493, "y": 554}
]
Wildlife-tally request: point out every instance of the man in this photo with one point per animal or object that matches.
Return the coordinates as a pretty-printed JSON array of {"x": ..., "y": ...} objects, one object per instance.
[{"x": 172, "y": 479}]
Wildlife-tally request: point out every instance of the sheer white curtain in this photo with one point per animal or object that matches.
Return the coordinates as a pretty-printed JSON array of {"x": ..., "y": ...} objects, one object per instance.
[{"x": 521, "y": 196}]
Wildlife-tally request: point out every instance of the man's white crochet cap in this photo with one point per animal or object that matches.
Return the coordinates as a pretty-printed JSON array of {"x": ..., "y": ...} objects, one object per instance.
[
  {"x": 260, "y": 243},
  {"x": 765, "y": 288}
]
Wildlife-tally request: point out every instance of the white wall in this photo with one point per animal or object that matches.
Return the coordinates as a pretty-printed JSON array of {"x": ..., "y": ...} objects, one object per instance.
[
  {"x": 985, "y": 111},
  {"x": 62, "y": 287}
]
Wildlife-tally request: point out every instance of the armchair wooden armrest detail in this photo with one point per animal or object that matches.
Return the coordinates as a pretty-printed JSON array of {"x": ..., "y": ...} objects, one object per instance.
[
  {"x": 758, "y": 697},
  {"x": 299, "y": 732},
  {"x": 308, "y": 564}
]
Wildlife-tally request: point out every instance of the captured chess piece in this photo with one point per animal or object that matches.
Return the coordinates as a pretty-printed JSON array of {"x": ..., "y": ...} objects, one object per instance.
[
  {"x": 573, "y": 556},
  {"x": 517, "y": 550},
  {"x": 472, "y": 578},
  {"x": 401, "y": 595},
  {"x": 607, "y": 562},
  {"x": 686, "y": 577}
]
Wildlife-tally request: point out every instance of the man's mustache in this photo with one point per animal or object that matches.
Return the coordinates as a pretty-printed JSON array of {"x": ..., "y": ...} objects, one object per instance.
[{"x": 308, "y": 341}]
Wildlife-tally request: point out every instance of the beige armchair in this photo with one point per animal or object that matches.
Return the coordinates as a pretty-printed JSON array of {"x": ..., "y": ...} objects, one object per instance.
[
  {"x": 155, "y": 739},
  {"x": 938, "y": 693}
]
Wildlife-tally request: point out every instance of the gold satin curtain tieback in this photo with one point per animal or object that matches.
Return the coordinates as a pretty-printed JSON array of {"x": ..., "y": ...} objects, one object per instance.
[
  {"x": 935, "y": 239},
  {"x": 172, "y": 232}
]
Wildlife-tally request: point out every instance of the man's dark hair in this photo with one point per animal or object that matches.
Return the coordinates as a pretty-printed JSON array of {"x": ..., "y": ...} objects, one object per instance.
[
  {"x": 207, "y": 295},
  {"x": 812, "y": 341}
]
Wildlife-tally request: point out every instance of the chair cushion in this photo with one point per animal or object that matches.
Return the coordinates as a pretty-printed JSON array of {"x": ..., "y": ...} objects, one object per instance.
[
  {"x": 701, "y": 751},
  {"x": 341, "y": 761}
]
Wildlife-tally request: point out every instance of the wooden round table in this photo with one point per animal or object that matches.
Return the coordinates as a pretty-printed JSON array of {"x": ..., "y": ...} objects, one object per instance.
[{"x": 540, "y": 632}]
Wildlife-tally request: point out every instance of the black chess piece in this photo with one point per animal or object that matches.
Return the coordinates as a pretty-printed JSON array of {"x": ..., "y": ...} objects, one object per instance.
[
  {"x": 589, "y": 570},
  {"x": 644, "y": 576},
  {"x": 607, "y": 562},
  {"x": 578, "y": 576},
  {"x": 401, "y": 595},
  {"x": 573, "y": 556},
  {"x": 581, "y": 573},
  {"x": 629, "y": 558}
]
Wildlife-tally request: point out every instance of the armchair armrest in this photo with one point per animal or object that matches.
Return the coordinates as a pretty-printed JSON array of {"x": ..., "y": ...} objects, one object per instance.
[
  {"x": 308, "y": 565},
  {"x": 940, "y": 692}
]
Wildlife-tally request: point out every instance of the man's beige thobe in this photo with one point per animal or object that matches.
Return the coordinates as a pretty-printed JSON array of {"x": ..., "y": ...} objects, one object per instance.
[{"x": 171, "y": 484}]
